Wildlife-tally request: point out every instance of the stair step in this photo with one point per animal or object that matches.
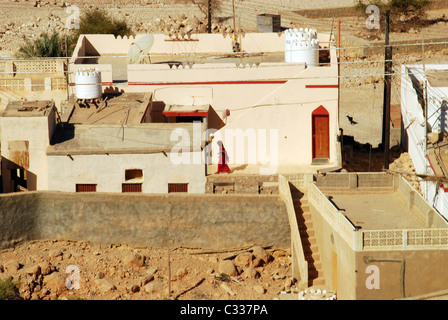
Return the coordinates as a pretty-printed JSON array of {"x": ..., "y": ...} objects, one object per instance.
[
  {"x": 308, "y": 241},
  {"x": 319, "y": 281},
  {"x": 308, "y": 223},
  {"x": 309, "y": 232}
]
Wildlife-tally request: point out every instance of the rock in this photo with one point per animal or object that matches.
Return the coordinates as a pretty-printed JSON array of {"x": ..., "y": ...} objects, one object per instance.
[
  {"x": 227, "y": 267},
  {"x": 153, "y": 287},
  {"x": 180, "y": 273},
  {"x": 288, "y": 283},
  {"x": 282, "y": 253},
  {"x": 46, "y": 268},
  {"x": 134, "y": 260},
  {"x": 55, "y": 282},
  {"x": 135, "y": 288},
  {"x": 259, "y": 289},
  {"x": 262, "y": 254},
  {"x": 12, "y": 265},
  {"x": 100, "y": 275},
  {"x": 244, "y": 259},
  {"x": 227, "y": 289},
  {"x": 33, "y": 270},
  {"x": 54, "y": 253},
  {"x": 104, "y": 285},
  {"x": 251, "y": 273},
  {"x": 147, "y": 279},
  {"x": 257, "y": 262}
]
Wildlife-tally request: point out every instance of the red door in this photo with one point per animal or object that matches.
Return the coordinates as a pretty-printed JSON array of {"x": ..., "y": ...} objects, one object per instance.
[{"x": 321, "y": 133}]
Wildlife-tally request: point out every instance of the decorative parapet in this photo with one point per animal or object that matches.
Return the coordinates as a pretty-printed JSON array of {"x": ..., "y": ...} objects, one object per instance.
[{"x": 435, "y": 236}]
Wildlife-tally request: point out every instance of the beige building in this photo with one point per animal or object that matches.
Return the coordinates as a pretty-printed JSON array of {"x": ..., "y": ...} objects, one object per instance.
[
  {"x": 365, "y": 236},
  {"x": 110, "y": 147},
  {"x": 273, "y": 113}
]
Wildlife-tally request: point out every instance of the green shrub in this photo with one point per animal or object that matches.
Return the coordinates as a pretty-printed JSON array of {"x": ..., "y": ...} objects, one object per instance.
[
  {"x": 45, "y": 46},
  {"x": 97, "y": 21},
  {"x": 9, "y": 290}
]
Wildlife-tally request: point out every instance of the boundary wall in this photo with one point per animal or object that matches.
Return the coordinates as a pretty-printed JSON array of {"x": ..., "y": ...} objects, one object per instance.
[{"x": 216, "y": 222}]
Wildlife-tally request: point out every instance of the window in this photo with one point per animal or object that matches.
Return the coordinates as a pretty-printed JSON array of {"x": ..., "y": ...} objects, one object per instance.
[
  {"x": 86, "y": 188},
  {"x": 133, "y": 174},
  {"x": 131, "y": 187},
  {"x": 177, "y": 187}
]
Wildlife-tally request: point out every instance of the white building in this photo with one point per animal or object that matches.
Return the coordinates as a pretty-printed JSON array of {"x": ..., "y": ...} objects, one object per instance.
[
  {"x": 424, "y": 96},
  {"x": 275, "y": 103}
]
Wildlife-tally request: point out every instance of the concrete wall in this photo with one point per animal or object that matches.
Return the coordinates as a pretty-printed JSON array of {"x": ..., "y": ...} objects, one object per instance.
[
  {"x": 337, "y": 257},
  {"x": 195, "y": 221},
  {"x": 37, "y": 130},
  {"x": 424, "y": 272},
  {"x": 108, "y": 172}
]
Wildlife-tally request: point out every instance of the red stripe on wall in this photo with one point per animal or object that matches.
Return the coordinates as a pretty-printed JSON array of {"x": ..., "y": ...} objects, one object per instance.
[
  {"x": 322, "y": 86},
  {"x": 185, "y": 114},
  {"x": 205, "y": 83},
  {"x": 72, "y": 84}
]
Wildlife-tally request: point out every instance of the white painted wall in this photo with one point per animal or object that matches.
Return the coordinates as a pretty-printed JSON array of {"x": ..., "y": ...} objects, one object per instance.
[{"x": 108, "y": 172}]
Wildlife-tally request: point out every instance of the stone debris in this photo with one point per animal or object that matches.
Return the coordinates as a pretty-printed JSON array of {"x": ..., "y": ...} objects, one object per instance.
[{"x": 117, "y": 272}]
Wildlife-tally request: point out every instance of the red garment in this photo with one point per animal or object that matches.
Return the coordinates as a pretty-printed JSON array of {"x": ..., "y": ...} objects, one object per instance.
[{"x": 222, "y": 164}]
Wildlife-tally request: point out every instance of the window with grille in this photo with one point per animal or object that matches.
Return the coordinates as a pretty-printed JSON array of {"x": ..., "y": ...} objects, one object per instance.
[
  {"x": 131, "y": 187},
  {"x": 86, "y": 188},
  {"x": 177, "y": 187}
]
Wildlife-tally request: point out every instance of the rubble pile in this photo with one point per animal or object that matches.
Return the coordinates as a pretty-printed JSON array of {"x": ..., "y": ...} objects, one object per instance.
[{"x": 60, "y": 269}]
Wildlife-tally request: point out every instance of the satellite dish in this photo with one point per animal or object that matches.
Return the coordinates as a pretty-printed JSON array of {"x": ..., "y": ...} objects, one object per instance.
[{"x": 139, "y": 50}]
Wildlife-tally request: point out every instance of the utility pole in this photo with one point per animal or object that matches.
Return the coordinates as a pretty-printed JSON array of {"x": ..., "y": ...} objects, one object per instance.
[
  {"x": 209, "y": 23},
  {"x": 387, "y": 94}
]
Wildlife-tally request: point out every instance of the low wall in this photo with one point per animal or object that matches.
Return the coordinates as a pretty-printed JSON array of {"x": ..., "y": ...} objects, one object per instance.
[{"x": 175, "y": 220}]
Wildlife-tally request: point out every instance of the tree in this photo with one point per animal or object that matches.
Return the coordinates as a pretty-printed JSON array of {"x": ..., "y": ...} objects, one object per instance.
[{"x": 207, "y": 7}]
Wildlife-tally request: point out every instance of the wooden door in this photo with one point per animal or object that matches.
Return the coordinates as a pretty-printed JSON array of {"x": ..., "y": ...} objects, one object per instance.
[{"x": 321, "y": 133}]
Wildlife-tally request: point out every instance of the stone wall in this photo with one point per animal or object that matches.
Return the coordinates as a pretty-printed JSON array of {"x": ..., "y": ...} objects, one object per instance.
[{"x": 176, "y": 220}]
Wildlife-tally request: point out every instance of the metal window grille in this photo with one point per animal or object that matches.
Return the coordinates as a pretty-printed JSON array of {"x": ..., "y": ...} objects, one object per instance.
[
  {"x": 86, "y": 188},
  {"x": 177, "y": 187},
  {"x": 131, "y": 187}
]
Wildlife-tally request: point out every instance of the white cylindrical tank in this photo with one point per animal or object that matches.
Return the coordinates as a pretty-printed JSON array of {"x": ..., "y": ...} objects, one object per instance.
[
  {"x": 288, "y": 44},
  {"x": 306, "y": 51},
  {"x": 88, "y": 84},
  {"x": 301, "y": 45}
]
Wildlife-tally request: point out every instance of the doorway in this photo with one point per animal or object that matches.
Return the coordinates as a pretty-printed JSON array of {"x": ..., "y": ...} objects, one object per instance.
[{"x": 321, "y": 134}]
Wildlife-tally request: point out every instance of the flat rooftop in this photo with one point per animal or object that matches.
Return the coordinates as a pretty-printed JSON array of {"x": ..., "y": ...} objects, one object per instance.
[
  {"x": 127, "y": 108},
  {"x": 28, "y": 108},
  {"x": 378, "y": 201},
  {"x": 117, "y": 139},
  {"x": 379, "y": 211}
]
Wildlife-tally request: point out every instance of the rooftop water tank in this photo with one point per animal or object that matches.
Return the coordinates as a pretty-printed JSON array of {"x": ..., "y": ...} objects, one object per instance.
[
  {"x": 88, "y": 84},
  {"x": 301, "y": 45}
]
